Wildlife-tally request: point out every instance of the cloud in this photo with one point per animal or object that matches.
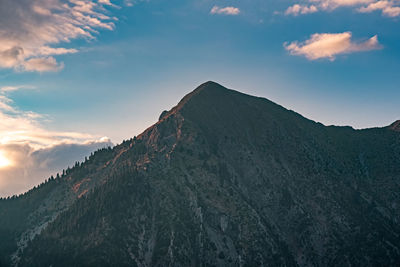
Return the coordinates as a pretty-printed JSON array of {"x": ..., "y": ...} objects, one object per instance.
[
  {"x": 105, "y": 2},
  {"x": 32, "y": 151},
  {"x": 388, "y": 8},
  {"x": 128, "y": 3},
  {"x": 329, "y": 45},
  {"x": 5, "y": 104},
  {"x": 28, "y": 167},
  {"x": 42, "y": 64},
  {"x": 30, "y": 30},
  {"x": 225, "y": 10},
  {"x": 46, "y": 51},
  {"x": 5, "y": 89},
  {"x": 333, "y": 4},
  {"x": 300, "y": 9}
]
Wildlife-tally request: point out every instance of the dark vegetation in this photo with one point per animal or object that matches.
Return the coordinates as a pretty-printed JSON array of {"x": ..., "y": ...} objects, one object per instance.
[{"x": 223, "y": 179}]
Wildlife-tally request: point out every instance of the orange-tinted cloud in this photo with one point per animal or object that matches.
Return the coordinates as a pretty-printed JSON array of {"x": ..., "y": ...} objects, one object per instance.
[
  {"x": 388, "y": 8},
  {"x": 229, "y": 10},
  {"x": 329, "y": 45},
  {"x": 29, "y": 166},
  {"x": 30, "y": 29},
  {"x": 29, "y": 152},
  {"x": 300, "y": 9}
]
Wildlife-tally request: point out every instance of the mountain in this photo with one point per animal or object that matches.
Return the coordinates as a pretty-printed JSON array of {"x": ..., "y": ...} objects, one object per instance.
[{"x": 222, "y": 179}]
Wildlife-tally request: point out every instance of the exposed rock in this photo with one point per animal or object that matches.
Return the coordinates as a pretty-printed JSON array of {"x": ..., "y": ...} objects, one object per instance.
[
  {"x": 162, "y": 115},
  {"x": 227, "y": 179},
  {"x": 395, "y": 126}
]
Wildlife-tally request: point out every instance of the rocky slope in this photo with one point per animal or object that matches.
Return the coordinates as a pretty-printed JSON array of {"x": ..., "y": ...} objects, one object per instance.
[{"x": 224, "y": 179}]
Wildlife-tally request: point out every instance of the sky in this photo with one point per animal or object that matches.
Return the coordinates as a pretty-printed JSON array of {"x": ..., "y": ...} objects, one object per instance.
[{"x": 78, "y": 75}]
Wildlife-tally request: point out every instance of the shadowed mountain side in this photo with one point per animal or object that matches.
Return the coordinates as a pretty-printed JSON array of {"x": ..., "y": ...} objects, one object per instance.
[
  {"x": 395, "y": 126},
  {"x": 229, "y": 179}
]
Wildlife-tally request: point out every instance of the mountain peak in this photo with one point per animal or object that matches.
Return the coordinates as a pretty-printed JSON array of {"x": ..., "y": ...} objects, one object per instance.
[
  {"x": 207, "y": 87},
  {"x": 210, "y": 184},
  {"x": 395, "y": 126}
]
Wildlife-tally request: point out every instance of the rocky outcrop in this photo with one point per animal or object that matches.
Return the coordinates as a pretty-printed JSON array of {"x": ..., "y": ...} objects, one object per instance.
[{"x": 227, "y": 179}]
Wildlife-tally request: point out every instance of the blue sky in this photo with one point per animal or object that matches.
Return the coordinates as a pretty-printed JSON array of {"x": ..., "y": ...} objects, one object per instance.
[{"x": 333, "y": 61}]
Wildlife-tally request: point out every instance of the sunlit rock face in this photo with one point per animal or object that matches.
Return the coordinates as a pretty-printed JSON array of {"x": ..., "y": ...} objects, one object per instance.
[{"x": 223, "y": 179}]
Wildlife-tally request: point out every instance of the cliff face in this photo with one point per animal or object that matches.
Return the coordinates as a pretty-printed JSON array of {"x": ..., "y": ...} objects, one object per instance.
[{"x": 228, "y": 179}]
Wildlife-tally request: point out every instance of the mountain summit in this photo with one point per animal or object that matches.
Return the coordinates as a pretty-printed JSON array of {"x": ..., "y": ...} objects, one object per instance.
[
  {"x": 222, "y": 179},
  {"x": 395, "y": 126}
]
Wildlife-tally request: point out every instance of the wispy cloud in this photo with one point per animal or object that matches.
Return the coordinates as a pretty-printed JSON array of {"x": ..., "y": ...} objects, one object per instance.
[
  {"x": 300, "y": 9},
  {"x": 333, "y": 4},
  {"x": 43, "y": 64},
  {"x": 329, "y": 45},
  {"x": 12, "y": 88},
  {"x": 31, "y": 28},
  {"x": 229, "y": 10},
  {"x": 31, "y": 149},
  {"x": 24, "y": 166},
  {"x": 25, "y": 127},
  {"x": 388, "y": 8},
  {"x": 5, "y": 104}
]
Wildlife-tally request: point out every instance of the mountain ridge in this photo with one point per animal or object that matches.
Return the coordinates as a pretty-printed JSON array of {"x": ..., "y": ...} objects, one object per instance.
[
  {"x": 395, "y": 126},
  {"x": 225, "y": 178},
  {"x": 212, "y": 86}
]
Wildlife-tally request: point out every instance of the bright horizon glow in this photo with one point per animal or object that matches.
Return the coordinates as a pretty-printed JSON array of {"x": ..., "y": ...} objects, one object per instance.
[{"x": 4, "y": 161}]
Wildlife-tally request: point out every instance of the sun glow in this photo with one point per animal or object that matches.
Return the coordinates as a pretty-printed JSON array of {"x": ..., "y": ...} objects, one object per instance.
[{"x": 4, "y": 161}]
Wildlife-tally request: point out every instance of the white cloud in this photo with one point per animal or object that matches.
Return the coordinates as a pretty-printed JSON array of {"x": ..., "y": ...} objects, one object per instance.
[
  {"x": 333, "y": 4},
  {"x": 42, "y": 64},
  {"x": 5, "y": 104},
  {"x": 230, "y": 10},
  {"x": 34, "y": 153},
  {"x": 128, "y": 3},
  {"x": 5, "y": 89},
  {"x": 31, "y": 28},
  {"x": 300, "y": 9},
  {"x": 105, "y": 2},
  {"x": 27, "y": 167},
  {"x": 329, "y": 45},
  {"x": 46, "y": 51},
  {"x": 390, "y": 8}
]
